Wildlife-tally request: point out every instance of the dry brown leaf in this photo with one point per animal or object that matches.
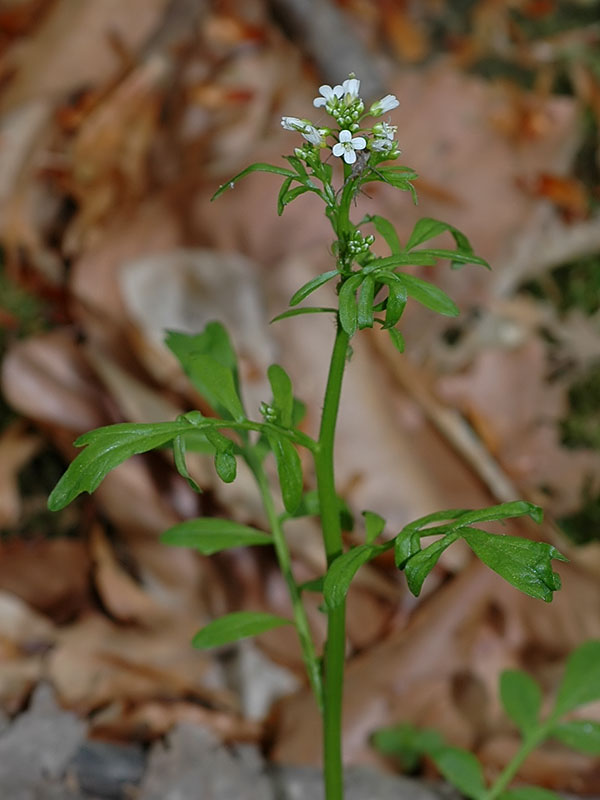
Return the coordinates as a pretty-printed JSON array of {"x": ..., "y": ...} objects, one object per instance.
[
  {"x": 51, "y": 576},
  {"x": 17, "y": 448},
  {"x": 55, "y": 60},
  {"x": 96, "y": 663},
  {"x": 46, "y": 378},
  {"x": 149, "y": 720},
  {"x": 121, "y": 595}
]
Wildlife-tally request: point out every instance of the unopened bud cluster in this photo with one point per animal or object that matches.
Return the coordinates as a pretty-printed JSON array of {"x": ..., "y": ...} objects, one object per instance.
[{"x": 358, "y": 244}]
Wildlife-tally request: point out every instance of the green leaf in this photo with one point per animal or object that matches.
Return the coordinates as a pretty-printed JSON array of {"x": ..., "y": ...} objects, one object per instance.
[
  {"x": 312, "y": 285},
  {"x": 343, "y": 569},
  {"x": 406, "y": 743},
  {"x": 428, "y": 295},
  {"x": 461, "y": 769},
  {"x": 580, "y": 734},
  {"x": 385, "y": 228},
  {"x": 236, "y": 626},
  {"x": 347, "y": 303},
  {"x": 289, "y": 470},
  {"x": 581, "y": 681},
  {"x": 291, "y": 194},
  {"x": 396, "y": 303},
  {"x": 515, "y": 508},
  {"x": 179, "y": 447},
  {"x": 258, "y": 167},
  {"x": 374, "y": 525},
  {"x": 210, "y": 535},
  {"x": 522, "y": 562},
  {"x": 198, "y": 354},
  {"x": 106, "y": 448},
  {"x": 283, "y": 398},
  {"x": 522, "y": 699},
  {"x": 226, "y": 465},
  {"x": 296, "y": 312},
  {"x": 397, "y": 339},
  {"x": 419, "y": 566},
  {"x": 457, "y": 257},
  {"x": 282, "y": 192},
  {"x": 406, "y": 545},
  {"x": 427, "y": 228},
  {"x": 530, "y": 793},
  {"x": 219, "y": 386},
  {"x": 365, "y": 303}
]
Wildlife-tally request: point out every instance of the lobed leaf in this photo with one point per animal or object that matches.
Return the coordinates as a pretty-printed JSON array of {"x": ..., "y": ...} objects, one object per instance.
[
  {"x": 236, "y": 626},
  {"x": 397, "y": 339},
  {"x": 211, "y": 535},
  {"x": 525, "y": 564},
  {"x": 105, "y": 449},
  {"x": 418, "y": 566}
]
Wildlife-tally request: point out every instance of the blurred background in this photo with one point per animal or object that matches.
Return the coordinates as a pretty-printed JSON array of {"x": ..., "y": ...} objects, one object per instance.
[{"x": 117, "y": 123}]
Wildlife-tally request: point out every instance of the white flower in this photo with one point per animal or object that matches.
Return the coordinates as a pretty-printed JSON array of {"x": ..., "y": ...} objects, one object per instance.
[
  {"x": 384, "y": 105},
  {"x": 351, "y": 88},
  {"x": 303, "y": 126},
  {"x": 347, "y": 145},
  {"x": 382, "y": 145},
  {"x": 385, "y": 131},
  {"x": 330, "y": 95}
]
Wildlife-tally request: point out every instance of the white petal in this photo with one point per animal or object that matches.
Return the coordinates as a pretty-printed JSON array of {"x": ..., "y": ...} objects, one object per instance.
[
  {"x": 349, "y": 156},
  {"x": 359, "y": 143},
  {"x": 345, "y": 136},
  {"x": 338, "y": 149},
  {"x": 326, "y": 91},
  {"x": 338, "y": 90},
  {"x": 319, "y": 101}
]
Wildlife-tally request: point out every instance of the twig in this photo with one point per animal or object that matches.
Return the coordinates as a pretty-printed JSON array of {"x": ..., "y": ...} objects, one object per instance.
[{"x": 324, "y": 34}]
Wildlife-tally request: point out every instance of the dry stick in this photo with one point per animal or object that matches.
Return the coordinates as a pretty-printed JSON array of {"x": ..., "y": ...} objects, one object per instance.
[
  {"x": 556, "y": 245},
  {"x": 324, "y": 34},
  {"x": 461, "y": 436}
]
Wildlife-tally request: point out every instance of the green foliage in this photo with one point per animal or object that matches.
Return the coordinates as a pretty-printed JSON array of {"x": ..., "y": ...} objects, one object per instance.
[
  {"x": 211, "y": 535},
  {"x": 581, "y": 681},
  {"x": 522, "y": 699},
  {"x": 236, "y": 626},
  {"x": 105, "y": 449},
  {"x": 289, "y": 470}
]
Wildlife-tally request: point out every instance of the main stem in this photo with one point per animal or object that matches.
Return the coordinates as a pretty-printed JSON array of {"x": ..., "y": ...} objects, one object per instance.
[{"x": 335, "y": 646}]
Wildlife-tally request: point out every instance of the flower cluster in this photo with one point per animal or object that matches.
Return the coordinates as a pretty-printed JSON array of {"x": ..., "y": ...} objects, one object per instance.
[{"x": 345, "y": 105}]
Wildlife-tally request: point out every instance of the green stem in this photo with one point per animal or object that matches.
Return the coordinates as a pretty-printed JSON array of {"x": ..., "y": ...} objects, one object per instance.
[
  {"x": 332, "y": 537},
  {"x": 309, "y": 655},
  {"x": 508, "y": 773}
]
